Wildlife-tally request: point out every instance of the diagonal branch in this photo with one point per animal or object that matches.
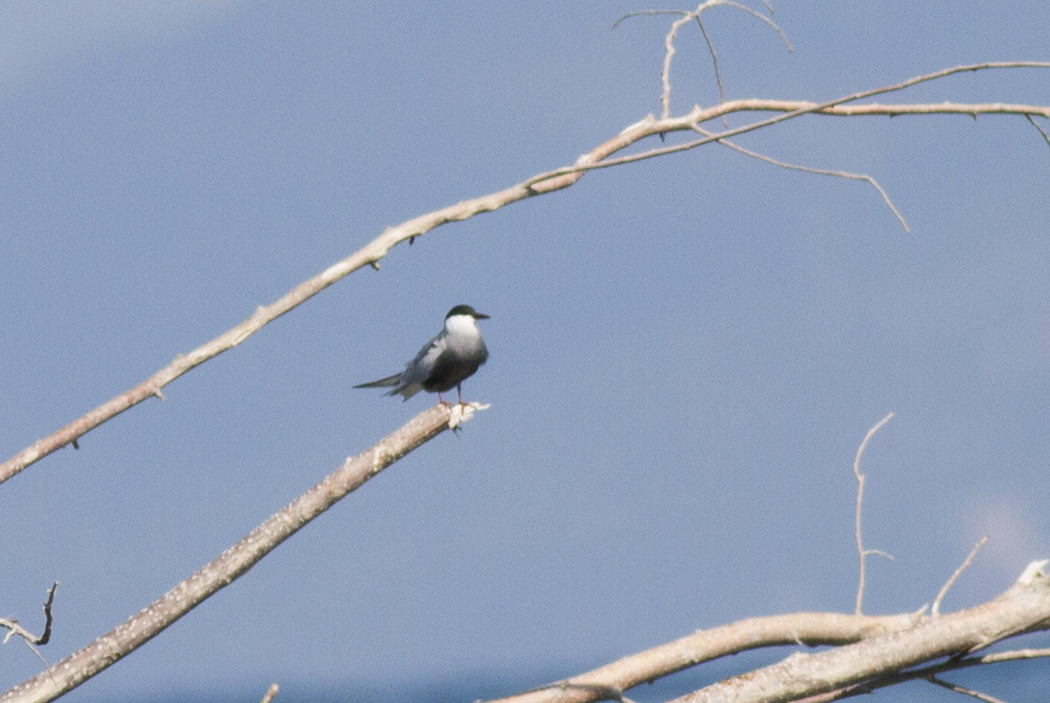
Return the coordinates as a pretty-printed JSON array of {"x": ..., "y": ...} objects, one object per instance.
[
  {"x": 926, "y": 672},
  {"x": 547, "y": 182},
  {"x": 965, "y": 691},
  {"x": 935, "y": 610},
  {"x": 236, "y": 560}
]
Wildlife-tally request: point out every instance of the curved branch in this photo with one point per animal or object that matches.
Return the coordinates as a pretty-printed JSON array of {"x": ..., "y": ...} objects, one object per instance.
[
  {"x": 873, "y": 652},
  {"x": 542, "y": 183},
  {"x": 809, "y": 629},
  {"x": 863, "y": 553},
  {"x": 1025, "y": 607},
  {"x": 29, "y": 638},
  {"x": 817, "y": 171}
]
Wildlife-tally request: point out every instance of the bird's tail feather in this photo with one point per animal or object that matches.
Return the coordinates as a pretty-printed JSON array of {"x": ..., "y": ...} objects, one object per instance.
[{"x": 388, "y": 381}]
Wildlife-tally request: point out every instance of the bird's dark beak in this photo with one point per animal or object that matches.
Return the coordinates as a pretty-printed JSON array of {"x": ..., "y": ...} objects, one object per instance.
[{"x": 480, "y": 316}]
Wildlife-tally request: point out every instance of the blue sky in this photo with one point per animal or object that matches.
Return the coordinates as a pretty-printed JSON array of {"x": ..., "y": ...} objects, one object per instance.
[{"x": 685, "y": 352}]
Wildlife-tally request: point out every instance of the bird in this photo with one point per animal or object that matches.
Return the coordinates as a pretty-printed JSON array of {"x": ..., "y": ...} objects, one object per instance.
[{"x": 445, "y": 361}]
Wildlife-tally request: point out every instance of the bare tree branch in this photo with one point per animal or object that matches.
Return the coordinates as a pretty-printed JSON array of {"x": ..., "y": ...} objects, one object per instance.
[
  {"x": 1024, "y": 607},
  {"x": 965, "y": 691},
  {"x": 935, "y": 610},
  {"x": 714, "y": 65},
  {"x": 235, "y": 561},
  {"x": 1046, "y": 137},
  {"x": 925, "y": 672},
  {"x": 862, "y": 553},
  {"x": 1015, "y": 655},
  {"x": 685, "y": 18},
  {"x": 810, "y": 629},
  {"x": 32, "y": 641},
  {"x": 15, "y": 629},
  {"x": 270, "y": 693},
  {"x": 873, "y": 652},
  {"x": 542, "y": 183},
  {"x": 818, "y": 171}
]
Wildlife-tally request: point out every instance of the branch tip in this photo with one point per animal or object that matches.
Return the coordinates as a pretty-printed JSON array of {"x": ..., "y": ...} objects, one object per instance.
[
  {"x": 270, "y": 693},
  {"x": 936, "y": 610},
  {"x": 1032, "y": 572}
]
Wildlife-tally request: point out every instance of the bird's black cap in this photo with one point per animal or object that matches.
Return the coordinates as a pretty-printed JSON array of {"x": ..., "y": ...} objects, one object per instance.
[{"x": 466, "y": 310}]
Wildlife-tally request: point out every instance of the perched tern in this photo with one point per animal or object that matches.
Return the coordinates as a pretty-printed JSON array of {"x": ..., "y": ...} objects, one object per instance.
[{"x": 445, "y": 361}]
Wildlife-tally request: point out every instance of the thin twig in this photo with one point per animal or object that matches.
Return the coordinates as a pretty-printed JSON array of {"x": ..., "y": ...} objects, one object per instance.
[
  {"x": 936, "y": 609},
  {"x": 760, "y": 16},
  {"x": 818, "y": 171},
  {"x": 15, "y": 629},
  {"x": 861, "y": 552},
  {"x": 965, "y": 691},
  {"x": 714, "y": 64},
  {"x": 31, "y": 641},
  {"x": 648, "y": 13},
  {"x": 665, "y": 72},
  {"x": 1046, "y": 138},
  {"x": 925, "y": 672},
  {"x": 670, "y": 50},
  {"x": 1015, "y": 655}
]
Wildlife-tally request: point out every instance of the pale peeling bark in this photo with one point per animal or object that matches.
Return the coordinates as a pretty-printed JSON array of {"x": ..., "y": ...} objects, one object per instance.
[{"x": 873, "y": 651}]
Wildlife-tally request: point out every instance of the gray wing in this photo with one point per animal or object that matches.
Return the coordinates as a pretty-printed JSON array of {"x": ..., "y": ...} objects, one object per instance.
[
  {"x": 417, "y": 370},
  {"x": 410, "y": 381}
]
